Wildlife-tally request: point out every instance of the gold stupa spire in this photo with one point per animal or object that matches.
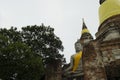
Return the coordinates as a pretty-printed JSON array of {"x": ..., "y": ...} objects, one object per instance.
[
  {"x": 85, "y": 32},
  {"x": 84, "y": 28}
]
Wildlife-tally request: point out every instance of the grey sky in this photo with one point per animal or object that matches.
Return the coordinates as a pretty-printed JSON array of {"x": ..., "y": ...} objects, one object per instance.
[{"x": 63, "y": 15}]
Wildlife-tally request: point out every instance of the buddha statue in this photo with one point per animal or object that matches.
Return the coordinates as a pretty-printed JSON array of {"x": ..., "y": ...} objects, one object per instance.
[{"x": 75, "y": 68}]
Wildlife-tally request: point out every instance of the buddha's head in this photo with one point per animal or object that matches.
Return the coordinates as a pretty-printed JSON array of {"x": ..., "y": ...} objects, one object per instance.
[{"x": 78, "y": 46}]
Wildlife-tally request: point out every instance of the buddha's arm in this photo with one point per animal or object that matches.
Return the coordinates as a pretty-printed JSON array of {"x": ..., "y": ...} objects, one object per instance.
[{"x": 71, "y": 63}]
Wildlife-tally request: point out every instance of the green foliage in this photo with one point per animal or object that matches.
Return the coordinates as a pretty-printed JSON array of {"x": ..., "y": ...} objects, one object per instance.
[
  {"x": 18, "y": 62},
  {"x": 43, "y": 41},
  {"x": 22, "y": 53},
  {"x": 12, "y": 34}
]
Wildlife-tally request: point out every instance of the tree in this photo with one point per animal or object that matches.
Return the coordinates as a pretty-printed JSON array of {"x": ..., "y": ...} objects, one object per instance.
[
  {"x": 17, "y": 60},
  {"x": 22, "y": 53},
  {"x": 43, "y": 41}
]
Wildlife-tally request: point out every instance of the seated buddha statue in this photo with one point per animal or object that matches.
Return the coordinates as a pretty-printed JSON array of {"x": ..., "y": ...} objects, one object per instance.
[{"x": 75, "y": 67}]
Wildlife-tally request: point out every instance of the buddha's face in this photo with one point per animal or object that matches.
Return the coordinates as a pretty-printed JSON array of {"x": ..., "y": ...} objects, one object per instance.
[{"x": 78, "y": 47}]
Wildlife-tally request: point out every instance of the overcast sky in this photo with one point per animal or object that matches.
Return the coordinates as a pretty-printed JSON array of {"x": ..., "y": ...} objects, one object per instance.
[{"x": 63, "y": 15}]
